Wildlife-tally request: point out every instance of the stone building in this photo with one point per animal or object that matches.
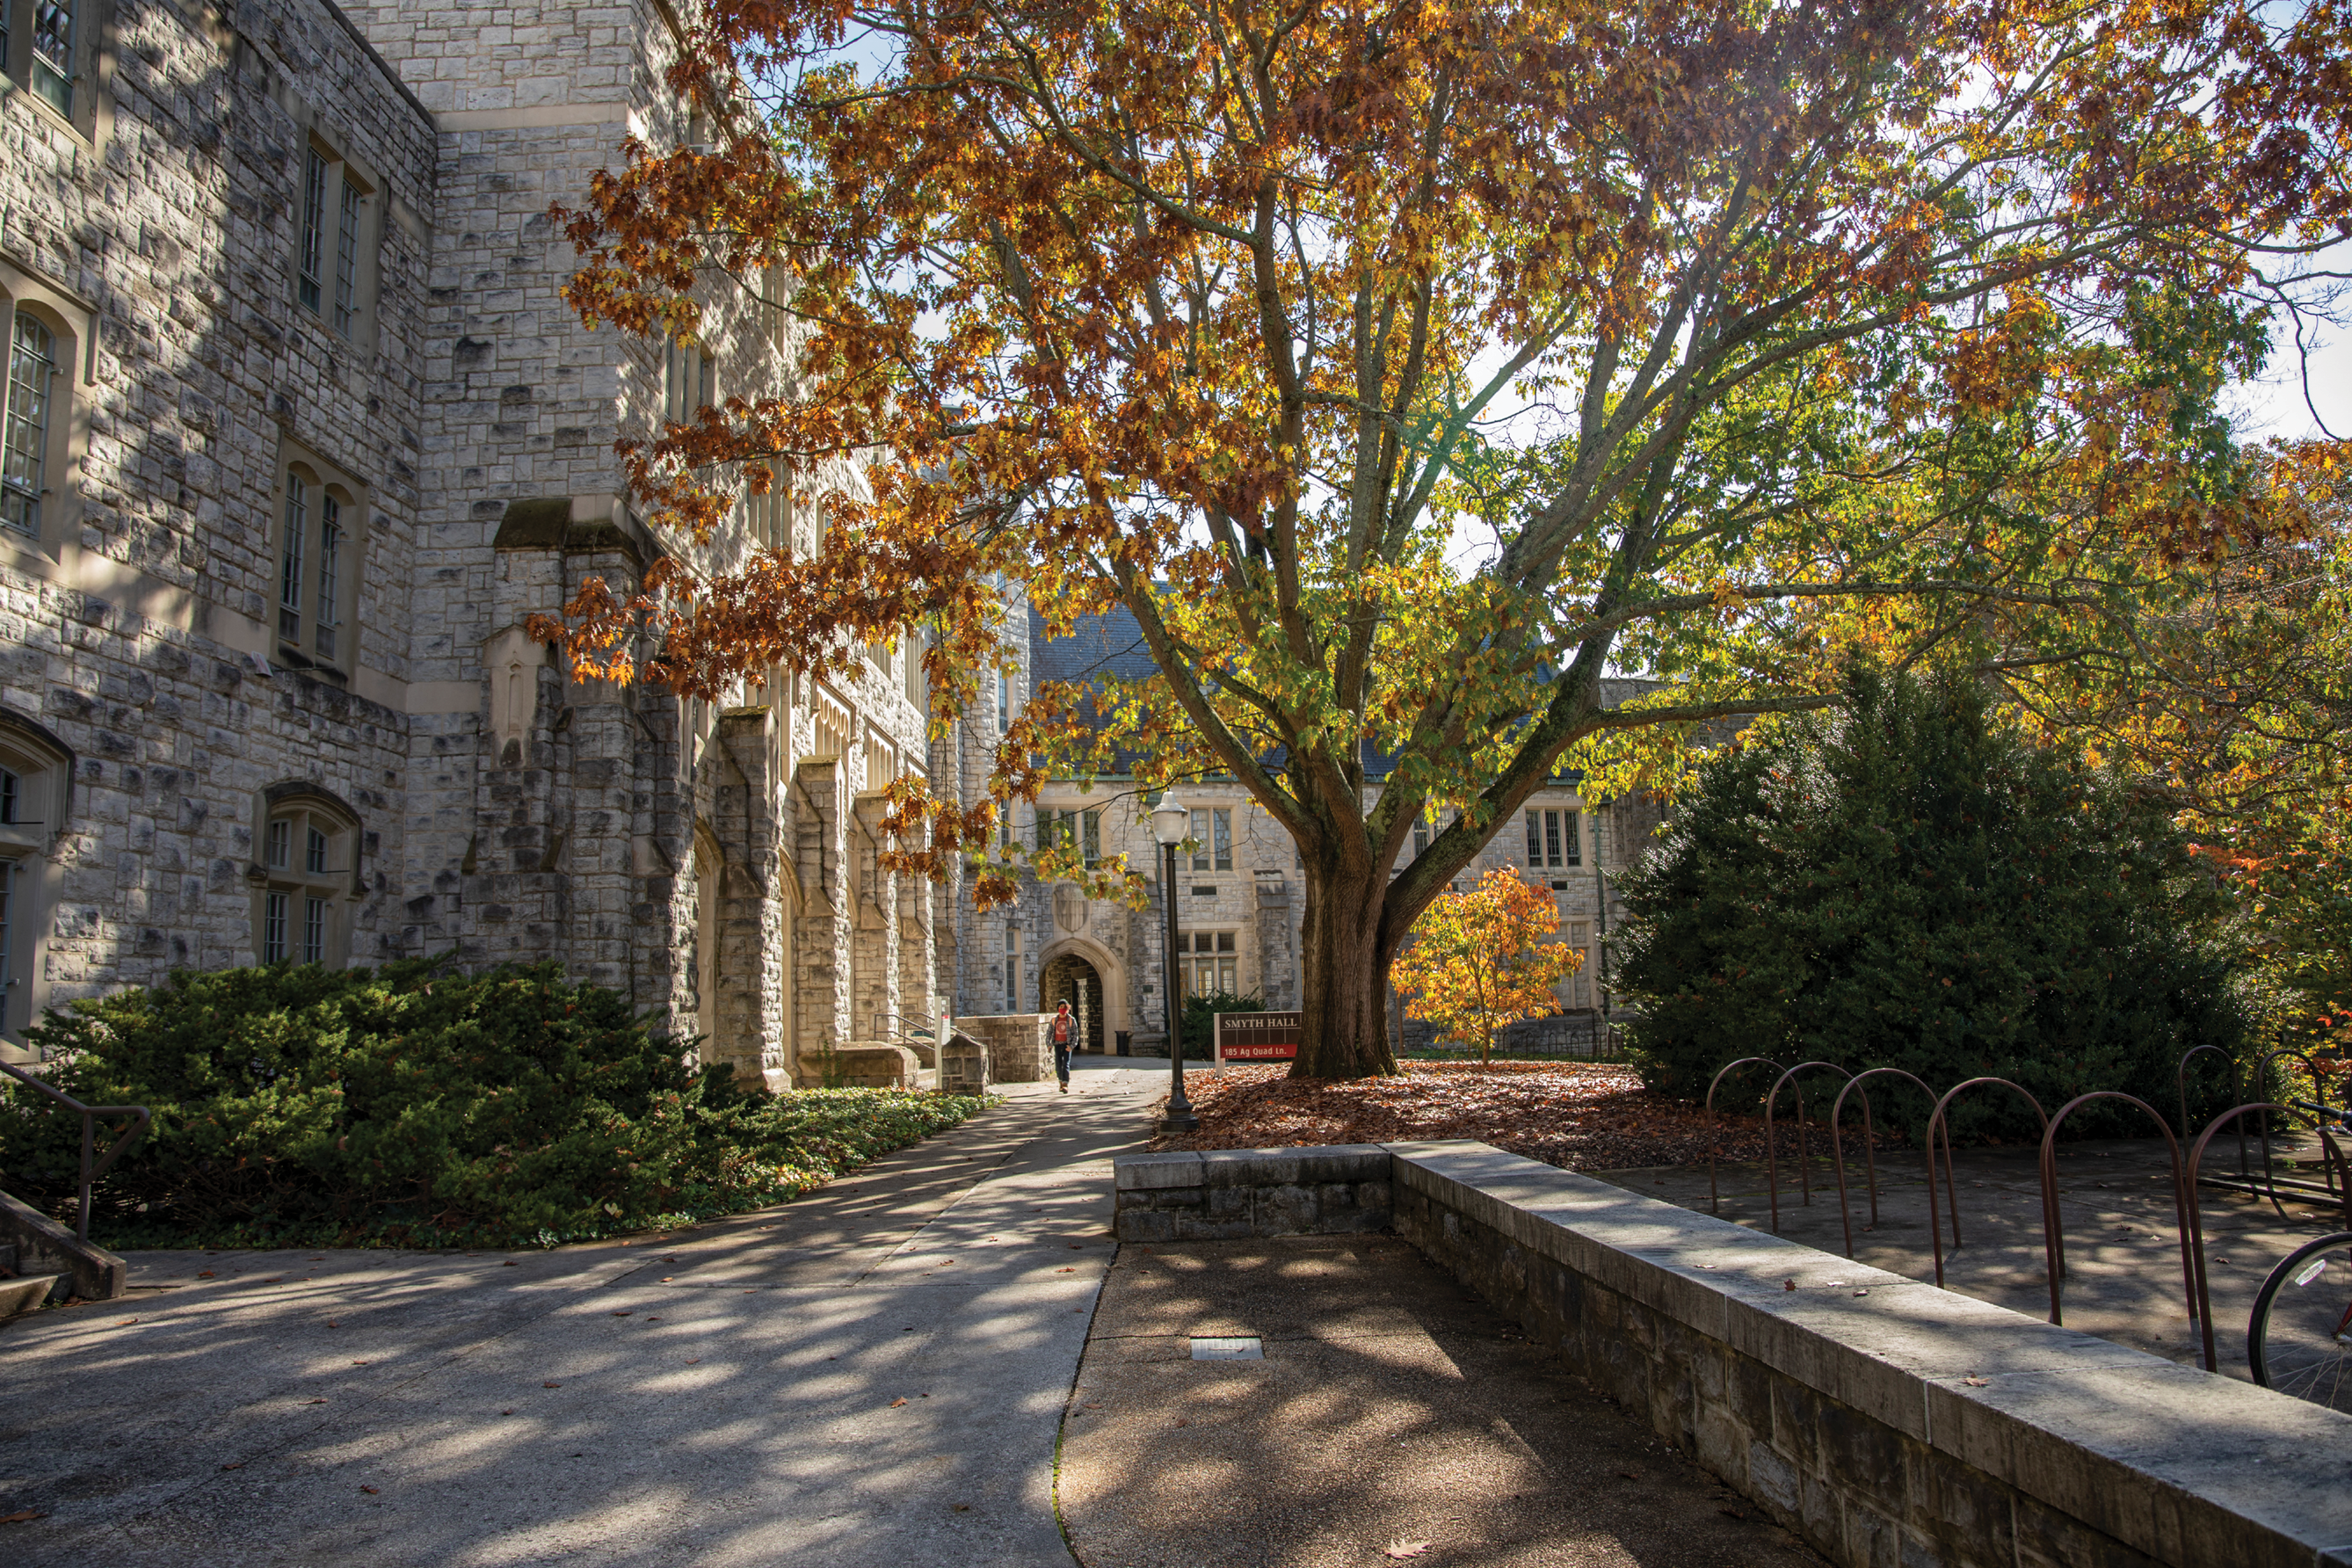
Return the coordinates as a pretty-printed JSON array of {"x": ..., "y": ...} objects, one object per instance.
[
  {"x": 1237, "y": 891},
  {"x": 297, "y": 435}
]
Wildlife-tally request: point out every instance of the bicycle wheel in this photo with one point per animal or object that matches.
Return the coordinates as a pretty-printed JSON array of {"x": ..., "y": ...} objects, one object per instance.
[{"x": 2299, "y": 1339}]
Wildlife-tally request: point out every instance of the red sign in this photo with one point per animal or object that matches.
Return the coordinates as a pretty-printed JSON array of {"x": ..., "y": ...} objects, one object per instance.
[{"x": 1257, "y": 1036}]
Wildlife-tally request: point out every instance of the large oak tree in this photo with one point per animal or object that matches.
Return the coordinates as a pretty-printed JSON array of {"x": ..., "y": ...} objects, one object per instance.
[{"x": 1745, "y": 333}]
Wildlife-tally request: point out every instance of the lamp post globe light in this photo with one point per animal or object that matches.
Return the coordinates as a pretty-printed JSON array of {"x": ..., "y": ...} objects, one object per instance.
[{"x": 1170, "y": 821}]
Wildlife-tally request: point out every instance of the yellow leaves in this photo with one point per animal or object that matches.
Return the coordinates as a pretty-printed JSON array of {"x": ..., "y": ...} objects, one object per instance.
[{"x": 1478, "y": 961}]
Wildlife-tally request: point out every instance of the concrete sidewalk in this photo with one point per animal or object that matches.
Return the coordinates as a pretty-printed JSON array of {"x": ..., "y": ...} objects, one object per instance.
[
  {"x": 1395, "y": 1416},
  {"x": 874, "y": 1375}
]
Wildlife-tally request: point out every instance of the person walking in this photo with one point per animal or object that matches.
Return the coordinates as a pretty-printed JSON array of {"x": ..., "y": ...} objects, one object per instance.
[{"x": 1065, "y": 1037}]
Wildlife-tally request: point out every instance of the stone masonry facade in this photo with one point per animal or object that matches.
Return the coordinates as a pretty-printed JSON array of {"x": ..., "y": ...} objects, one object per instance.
[{"x": 275, "y": 254}]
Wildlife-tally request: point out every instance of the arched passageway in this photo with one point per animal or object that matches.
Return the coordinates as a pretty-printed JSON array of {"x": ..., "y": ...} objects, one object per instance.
[{"x": 1071, "y": 978}]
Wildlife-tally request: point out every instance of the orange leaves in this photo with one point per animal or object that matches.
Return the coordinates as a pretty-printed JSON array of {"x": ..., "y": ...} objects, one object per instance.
[
  {"x": 1194, "y": 312},
  {"x": 1579, "y": 1115},
  {"x": 1478, "y": 961}
]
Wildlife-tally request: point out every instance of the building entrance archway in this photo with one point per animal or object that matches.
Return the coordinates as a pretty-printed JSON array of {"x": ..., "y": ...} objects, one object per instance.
[{"x": 1069, "y": 977}]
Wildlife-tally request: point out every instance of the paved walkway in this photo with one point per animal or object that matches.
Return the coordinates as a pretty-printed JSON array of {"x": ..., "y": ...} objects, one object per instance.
[
  {"x": 872, "y": 1377},
  {"x": 1392, "y": 1409}
]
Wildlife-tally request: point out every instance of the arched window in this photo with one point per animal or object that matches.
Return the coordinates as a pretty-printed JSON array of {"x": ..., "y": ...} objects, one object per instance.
[
  {"x": 36, "y": 780},
  {"x": 304, "y": 878},
  {"x": 30, "y": 416}
]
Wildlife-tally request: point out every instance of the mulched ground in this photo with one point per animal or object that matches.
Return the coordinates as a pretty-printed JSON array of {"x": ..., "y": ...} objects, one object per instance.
[{"x": 1579, "y": 1115}]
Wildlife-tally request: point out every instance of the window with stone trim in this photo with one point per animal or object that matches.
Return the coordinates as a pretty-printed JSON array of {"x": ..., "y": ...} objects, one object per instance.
[
  {"x": 47, "y": 47},
  {"x": 690, "y": 379},
  {"x": 918, "y": 684},
  {"x": 768, "y": 519},
  {"x": 335, "y": 238},
  {"x": 1206, "y": 963},
  {"x": 1012, "y": 968},
  {"x": 36, "y": 782},
  {"x": 31, "y": 422},
  {"x": 1212, "y": 839},
  {"x": 304, "y": 877},
  {"x": 319, "y": 508},
  {"x": 1552, "y": 840}
]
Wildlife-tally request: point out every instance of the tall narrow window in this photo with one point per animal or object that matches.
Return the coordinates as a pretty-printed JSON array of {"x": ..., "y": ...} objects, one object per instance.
[
  {"x": 688, "y": 381},
  {"x": 317, "y": 561},
  {"x": 1420, "y": 836},
  {"x": 1212, "y": 839},
  {"x": 34, "y": 789},
  {"x": 32, "y": 370},
  {"x": 289, "y": 572},
  {"x": 314, "y": 929},
  {"x": 277, "y": 851},
  {"x": 9, "y": 870},
  {"x": 315, "y": 853},
  {"x": 1551, "y": 837},
  {"x": 273, "y": 928},
  {"x": 347, "y": 260},
  {"x": 1090, "y": 837},
  {"x": 310, "y": 269},
  {"x": 331, "y": 574},
  {"x": 1535, "y": 840},
  {"x": 1003, "y": 703},
  {"x": 53, "y": 54},
  {"x": 1012, "y": 968}
]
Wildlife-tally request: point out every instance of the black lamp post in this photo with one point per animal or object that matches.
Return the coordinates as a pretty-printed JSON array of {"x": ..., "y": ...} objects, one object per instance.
[{"x": 1170, "y": 821}]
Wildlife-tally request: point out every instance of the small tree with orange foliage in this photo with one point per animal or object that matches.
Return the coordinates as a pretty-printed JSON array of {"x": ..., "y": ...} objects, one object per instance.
[{"x": 1478, "y": 961}]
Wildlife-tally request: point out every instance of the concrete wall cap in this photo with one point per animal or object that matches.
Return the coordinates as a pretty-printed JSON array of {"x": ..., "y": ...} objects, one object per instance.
[{"x": 1133, "y": 1172}]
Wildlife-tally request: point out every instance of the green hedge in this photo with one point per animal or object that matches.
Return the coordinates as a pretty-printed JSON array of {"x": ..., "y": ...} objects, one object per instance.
[{"x": 416, "y": 1106}]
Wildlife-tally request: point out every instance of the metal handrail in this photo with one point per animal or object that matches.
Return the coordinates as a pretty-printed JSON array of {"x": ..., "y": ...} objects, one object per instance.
[
  {"x": 89, "y": 1113},
  {"x": 930, "y": 1025}
]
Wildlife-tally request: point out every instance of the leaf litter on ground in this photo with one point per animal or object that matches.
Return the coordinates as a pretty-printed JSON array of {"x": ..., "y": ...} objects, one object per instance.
[{"x": 1580, "y": 1116}]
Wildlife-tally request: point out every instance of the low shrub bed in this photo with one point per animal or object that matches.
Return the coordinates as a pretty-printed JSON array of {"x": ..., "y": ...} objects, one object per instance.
[{"x": 412, "y": 1106}]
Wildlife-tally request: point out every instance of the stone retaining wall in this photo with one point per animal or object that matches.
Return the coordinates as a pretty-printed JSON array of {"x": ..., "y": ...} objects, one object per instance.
[
  {"x": 1885, "y": 1421},
  {"x": 1336, "y": 1190},
  {"x": 1019, "y": 1050}
]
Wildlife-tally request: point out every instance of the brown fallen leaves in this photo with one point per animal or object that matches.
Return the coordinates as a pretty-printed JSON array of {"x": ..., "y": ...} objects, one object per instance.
[{"x": 1579, "y": 1115}]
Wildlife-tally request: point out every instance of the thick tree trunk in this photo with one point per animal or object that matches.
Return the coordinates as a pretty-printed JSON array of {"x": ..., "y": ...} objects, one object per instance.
[{"x": 1344, "y": 983}]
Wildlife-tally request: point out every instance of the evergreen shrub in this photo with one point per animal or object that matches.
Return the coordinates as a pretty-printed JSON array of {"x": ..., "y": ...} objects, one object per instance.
[
  {"x": 417, "y": 1106},
  {"x": 1905, "y": 881},
  {"x": 1197, "y": 1024}
]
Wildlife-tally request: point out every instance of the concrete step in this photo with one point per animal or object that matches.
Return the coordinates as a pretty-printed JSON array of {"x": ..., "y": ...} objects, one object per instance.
[{"x": 23, "y": 1294}]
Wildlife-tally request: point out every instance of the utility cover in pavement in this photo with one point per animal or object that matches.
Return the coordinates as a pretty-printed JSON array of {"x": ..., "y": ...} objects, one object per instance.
[{"x": 1244, "y": 1348}]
